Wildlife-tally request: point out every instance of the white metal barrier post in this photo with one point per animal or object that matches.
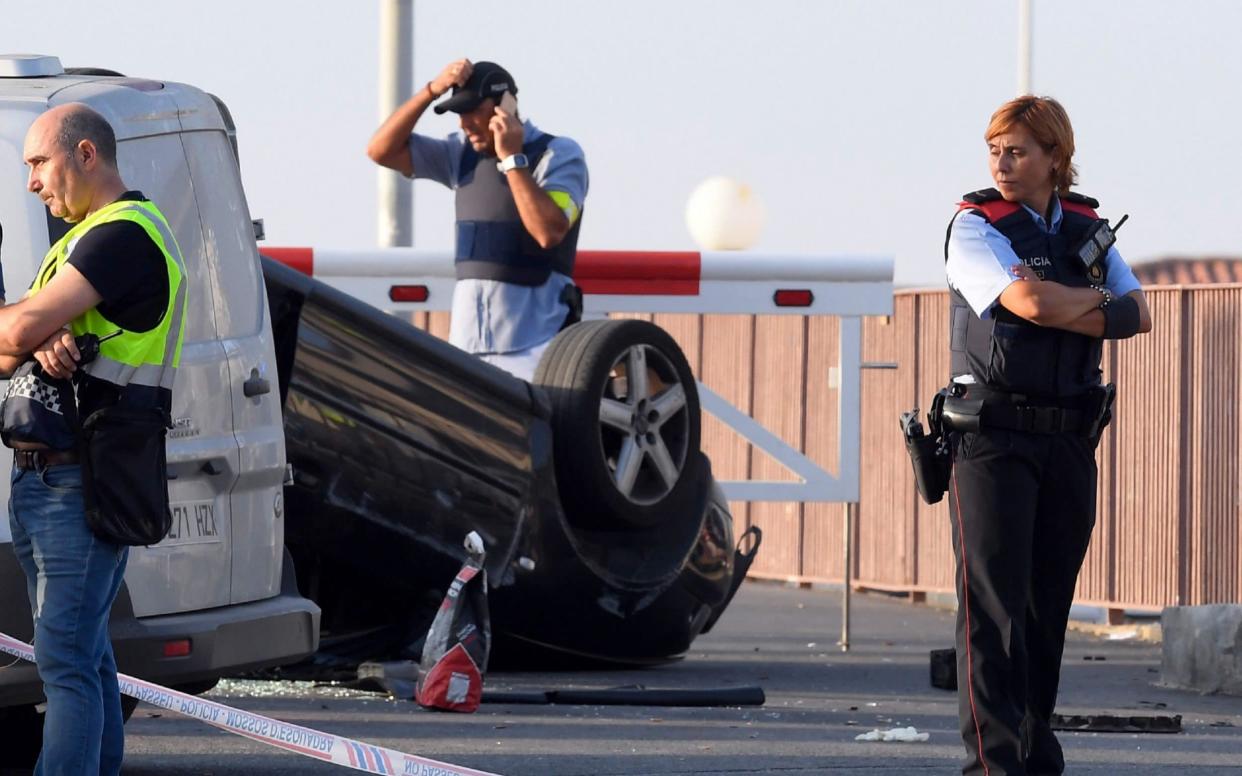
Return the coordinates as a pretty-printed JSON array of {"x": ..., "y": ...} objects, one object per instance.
[{"x": 407, "y": 280}]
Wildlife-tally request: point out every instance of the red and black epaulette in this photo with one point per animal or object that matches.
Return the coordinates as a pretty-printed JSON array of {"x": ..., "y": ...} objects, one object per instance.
[
  {"x": 989, "y": 204},
  {"x": 1080, "y": 203}
]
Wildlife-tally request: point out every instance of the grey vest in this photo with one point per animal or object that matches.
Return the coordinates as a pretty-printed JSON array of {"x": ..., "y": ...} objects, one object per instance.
[
  {"x": 492, "y": 243},
  {"x": 1008, "y": 353}
]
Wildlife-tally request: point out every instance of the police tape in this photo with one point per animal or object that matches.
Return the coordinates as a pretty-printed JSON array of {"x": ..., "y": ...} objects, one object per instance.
[{"x": 324, "y": 747}]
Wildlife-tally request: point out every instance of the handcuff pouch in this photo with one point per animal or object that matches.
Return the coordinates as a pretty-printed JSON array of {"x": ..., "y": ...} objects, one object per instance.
[{"x": 962, "y": 415}]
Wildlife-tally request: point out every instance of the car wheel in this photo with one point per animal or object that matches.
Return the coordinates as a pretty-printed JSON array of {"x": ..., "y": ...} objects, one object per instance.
[{"x": 625, "y": 421}]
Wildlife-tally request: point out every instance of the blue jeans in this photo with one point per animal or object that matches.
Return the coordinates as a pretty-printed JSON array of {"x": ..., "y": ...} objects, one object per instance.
[{"x": 72, "y": 579}]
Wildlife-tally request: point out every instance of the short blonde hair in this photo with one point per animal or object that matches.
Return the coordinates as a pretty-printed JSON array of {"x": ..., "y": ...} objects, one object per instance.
[{"x": 1049, "y": 124}]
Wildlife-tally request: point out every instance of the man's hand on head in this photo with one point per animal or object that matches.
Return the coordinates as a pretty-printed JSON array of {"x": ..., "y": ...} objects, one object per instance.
[
  {"x": 507, "y": 134},
  {"x": 454, "y": 74}
]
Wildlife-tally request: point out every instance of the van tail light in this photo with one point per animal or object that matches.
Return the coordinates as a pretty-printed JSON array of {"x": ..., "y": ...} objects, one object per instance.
[{"x": 177, "y": 648}]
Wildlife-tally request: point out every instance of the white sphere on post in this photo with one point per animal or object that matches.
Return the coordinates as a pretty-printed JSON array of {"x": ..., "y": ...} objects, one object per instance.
[{"x": 724, "y": 214}]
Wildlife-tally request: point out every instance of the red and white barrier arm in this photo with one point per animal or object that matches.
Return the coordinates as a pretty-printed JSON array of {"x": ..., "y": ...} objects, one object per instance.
[{"x": 626, "y": 281}]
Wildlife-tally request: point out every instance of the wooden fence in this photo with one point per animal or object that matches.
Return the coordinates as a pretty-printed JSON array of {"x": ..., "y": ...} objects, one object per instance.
[{"x": 1170, "y": 503}]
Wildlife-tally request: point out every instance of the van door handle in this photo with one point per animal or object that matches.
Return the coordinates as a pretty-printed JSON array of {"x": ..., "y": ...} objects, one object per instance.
[{"x": 256, "y": 386}]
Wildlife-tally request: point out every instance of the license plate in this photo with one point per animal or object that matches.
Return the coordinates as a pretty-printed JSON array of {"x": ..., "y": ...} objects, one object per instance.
[{"x": 193, "y": 522}]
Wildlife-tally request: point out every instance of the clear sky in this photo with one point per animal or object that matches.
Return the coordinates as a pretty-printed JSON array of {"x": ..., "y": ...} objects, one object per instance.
[{"x": 857, "y": 122}]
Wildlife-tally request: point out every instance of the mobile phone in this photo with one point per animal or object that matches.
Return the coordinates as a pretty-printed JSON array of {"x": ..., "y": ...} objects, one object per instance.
[{"x": 508, "y": 103}]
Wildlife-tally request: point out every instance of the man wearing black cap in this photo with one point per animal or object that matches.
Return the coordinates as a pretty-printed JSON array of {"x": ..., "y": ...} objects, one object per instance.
[{"x": 520, "y": 194}]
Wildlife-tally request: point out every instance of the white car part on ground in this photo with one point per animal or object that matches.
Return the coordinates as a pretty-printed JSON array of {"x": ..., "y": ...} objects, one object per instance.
[{"x": 907, "y": 734}]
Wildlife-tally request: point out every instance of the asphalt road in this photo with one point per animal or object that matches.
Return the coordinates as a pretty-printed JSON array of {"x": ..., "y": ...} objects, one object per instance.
[{"x": 818, "y": 700}]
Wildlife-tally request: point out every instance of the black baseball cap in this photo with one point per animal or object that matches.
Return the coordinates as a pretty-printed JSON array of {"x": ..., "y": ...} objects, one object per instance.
[{"x": 487, "y": 79}]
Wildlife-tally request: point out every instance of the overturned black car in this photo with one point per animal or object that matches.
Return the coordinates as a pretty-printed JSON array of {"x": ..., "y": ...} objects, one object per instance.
[{"x": 606, "y": 535}]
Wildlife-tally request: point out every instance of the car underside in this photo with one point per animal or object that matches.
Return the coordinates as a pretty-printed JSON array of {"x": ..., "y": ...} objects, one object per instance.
[{"x": 606, "y": 536}]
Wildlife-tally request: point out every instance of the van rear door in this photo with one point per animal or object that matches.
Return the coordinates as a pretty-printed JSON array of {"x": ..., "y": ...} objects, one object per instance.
[{"x": 244, "y": 328}]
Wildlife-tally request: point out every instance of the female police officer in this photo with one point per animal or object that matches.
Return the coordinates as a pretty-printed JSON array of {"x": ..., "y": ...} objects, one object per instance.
[{"x": 1035, "y": 289}]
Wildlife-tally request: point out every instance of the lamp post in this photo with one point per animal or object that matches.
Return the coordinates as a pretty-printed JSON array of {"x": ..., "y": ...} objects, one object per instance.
[
  {"x": 395, "y": 211},
  {"x": 1024, "y": 47}
]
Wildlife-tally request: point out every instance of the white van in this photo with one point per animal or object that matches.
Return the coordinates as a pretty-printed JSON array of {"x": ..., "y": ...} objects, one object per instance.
[{"x": 217, "y": 595}]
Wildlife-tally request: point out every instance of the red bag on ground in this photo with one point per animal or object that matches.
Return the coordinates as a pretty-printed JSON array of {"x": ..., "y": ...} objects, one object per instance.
[{"x": 450, "y": 674}]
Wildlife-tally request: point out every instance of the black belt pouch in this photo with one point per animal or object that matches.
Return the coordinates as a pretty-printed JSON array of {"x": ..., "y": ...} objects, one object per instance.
[
  {"x": 125, "y": 475},
  {"x": 962, "y": 415}
]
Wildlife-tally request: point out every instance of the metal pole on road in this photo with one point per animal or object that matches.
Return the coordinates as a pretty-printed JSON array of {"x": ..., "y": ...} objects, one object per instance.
[
  {"x": 848, "y": 532},
  {"x": 395, "y": 211},
  {"x": 847, "y": 527}
]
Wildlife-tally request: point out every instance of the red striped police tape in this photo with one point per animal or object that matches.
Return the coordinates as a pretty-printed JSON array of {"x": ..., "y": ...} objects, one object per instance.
[{"x": 282, "y": 735}]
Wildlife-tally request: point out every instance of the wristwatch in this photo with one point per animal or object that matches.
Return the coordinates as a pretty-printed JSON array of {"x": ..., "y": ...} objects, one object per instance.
[
  {"x": 1108, "y": 295},
  {"x": 514, "y": 162}
]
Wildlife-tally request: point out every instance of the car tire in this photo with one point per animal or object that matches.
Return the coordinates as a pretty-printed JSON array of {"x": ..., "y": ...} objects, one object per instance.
[{"x": 626, "y": 452}]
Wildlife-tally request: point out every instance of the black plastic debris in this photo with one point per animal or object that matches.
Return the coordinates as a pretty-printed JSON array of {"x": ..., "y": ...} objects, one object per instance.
[
  {"x": 634, "y": 696},
  {"x": 1115, "y": 723},
  {"x": 397, "y": 679},
  {"x": 944, "y": 668}
]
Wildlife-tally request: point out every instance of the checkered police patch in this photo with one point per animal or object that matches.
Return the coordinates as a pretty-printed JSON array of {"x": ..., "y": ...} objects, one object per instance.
[{"x": 29, "y": 386}]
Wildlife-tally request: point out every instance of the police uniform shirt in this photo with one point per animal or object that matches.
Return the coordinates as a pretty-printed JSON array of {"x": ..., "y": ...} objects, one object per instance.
[
  {"x": 980, "y": 260},
  {"x": 491, "y": 316}
]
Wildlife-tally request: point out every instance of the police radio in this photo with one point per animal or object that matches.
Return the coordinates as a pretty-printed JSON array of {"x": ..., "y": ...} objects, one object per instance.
[
  {"x": 1099, "y": 238},
  {"x": 88, "y": 346}
]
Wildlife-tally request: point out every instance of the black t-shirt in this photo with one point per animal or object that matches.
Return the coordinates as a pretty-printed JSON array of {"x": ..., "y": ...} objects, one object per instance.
[{"x": 127, "y": 269}]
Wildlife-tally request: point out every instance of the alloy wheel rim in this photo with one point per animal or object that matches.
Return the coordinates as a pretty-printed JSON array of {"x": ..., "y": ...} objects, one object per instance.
[{"x": 644, "y": 425}]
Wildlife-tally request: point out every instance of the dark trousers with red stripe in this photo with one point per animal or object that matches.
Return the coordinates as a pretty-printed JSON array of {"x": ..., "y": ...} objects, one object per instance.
[{"x": 1023, "y": 506}]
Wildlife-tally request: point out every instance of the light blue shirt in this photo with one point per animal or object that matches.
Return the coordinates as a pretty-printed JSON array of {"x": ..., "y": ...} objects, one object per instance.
[
  {"x": 491, "y": 316},
  {"x": 981, "y": 259}
]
